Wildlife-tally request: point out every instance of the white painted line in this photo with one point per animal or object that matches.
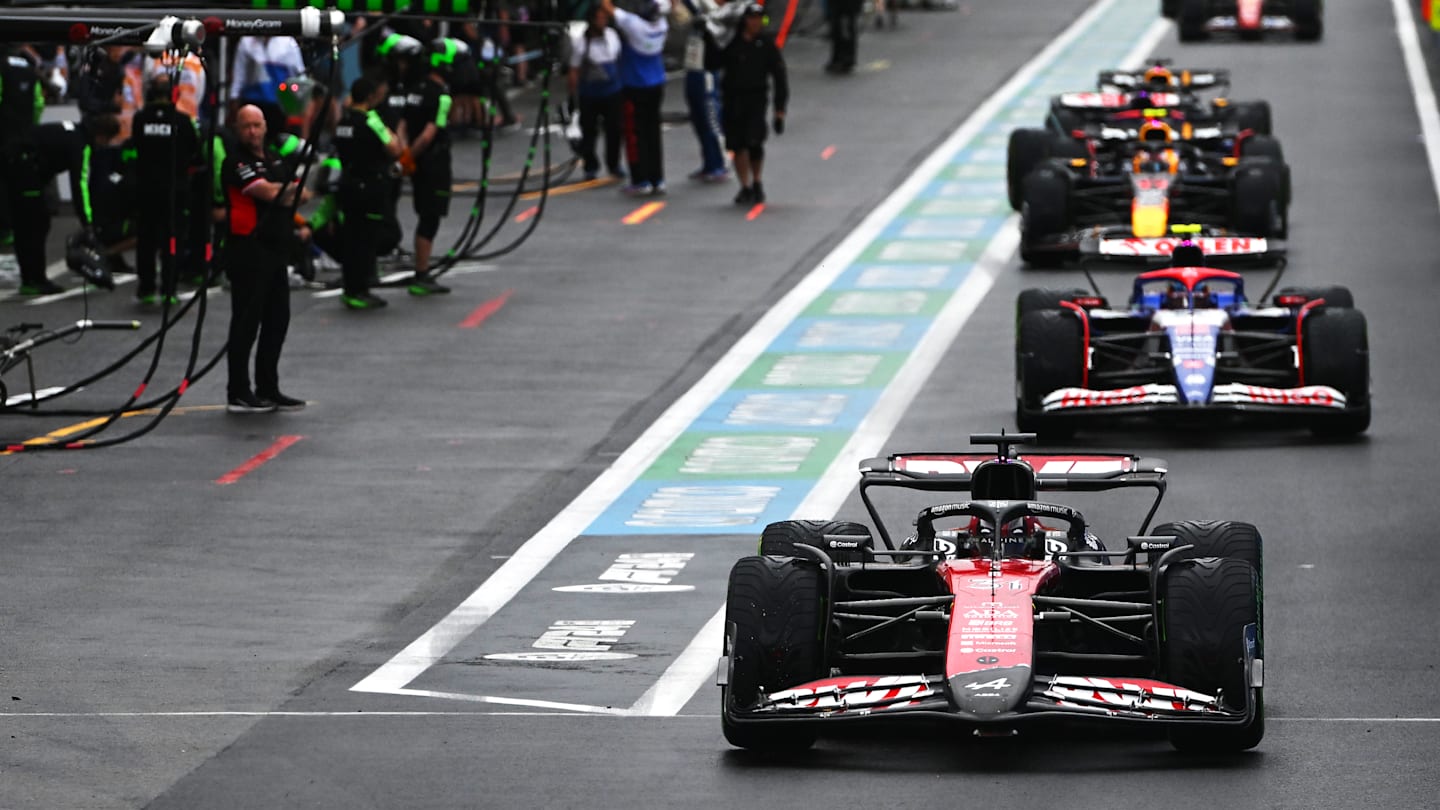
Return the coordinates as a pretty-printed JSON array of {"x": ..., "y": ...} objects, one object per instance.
[
  {"x": 531, "y": 558},
  {"x": 1420, "y": 87},
  {"x": 679, "y": 684},
  {"x": 504, "y": 701}
]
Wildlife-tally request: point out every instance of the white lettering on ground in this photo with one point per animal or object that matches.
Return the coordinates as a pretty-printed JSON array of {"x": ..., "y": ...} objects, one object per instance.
[
  {"x": 910, "y": 302},
  {"x": 716, "y": 507},
  {"x": 821, "y": 370},
  {"x": 749, "y": 455},
  {"x": 648, "y": 572},
  {"x": 823, "y": 334},
  {"x": 884, "y": 275},
  {"x": 788, "y": 410},
  {"x": 585, "y": 635}
]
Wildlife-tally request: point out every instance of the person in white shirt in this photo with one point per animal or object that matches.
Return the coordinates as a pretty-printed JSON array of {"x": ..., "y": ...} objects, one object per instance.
[
  {"x": 594, "y": 80},
  {"x": 642, "y": 71}
]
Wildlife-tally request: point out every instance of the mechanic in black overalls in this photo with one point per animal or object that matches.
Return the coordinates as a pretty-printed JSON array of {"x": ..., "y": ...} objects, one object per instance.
[
  {"x": 367, "y": 150},
  {"x": 427, "y": 135},
  {"x": 107, "y": 199},
  {"x": 402, "y": 56},
  {"x": 259, "y": 197},
  {"x": 748, "y": 65},
  {"x": 25, "y": 213},
  {"x": 844, "y": 32},
  {"x": 167, "y": 149}
]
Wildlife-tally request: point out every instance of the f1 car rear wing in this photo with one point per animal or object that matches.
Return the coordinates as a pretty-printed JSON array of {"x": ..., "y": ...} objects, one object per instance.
[
  {"x": 1059, "y": 472},
  {"x": 1184, "y": 79}
]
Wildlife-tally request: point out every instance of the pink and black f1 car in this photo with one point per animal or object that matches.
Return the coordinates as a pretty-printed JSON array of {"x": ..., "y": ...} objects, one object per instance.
[
  {"x": 1251, "y": 19},
  {"x": 1000, "y": 612},
  {"x": 1189, "y": 346}
]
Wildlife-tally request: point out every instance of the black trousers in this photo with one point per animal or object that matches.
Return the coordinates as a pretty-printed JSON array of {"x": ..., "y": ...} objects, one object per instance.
[
  {"x": 259, "y": 309},
  {"x": 24, "y": 186},
  {"x": 364, "y": 207},
  {"x": 843, "y": 34},
  {"x": 647, "y": 160},
  {"x": 155, "y": 225},
  {"x": 595, "y": 112}
]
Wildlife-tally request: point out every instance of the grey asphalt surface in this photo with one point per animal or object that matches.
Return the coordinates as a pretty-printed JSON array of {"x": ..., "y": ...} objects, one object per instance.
[{"x": 166, "y": 641}]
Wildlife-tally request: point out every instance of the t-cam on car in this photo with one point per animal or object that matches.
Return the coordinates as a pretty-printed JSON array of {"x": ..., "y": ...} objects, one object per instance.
[
  {"x": 1189, "y": 346},
  {"x": 999, "y": 613}
]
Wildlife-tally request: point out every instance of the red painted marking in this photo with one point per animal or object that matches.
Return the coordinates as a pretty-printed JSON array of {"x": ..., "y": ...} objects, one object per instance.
[
  {"x": 258, "y": 460},
  {"x": 642, "y": 213},
  {"x": 755, "y": 212},
  {"x": 827, "y": 153},
  {"x": 485, "y": 310},
  {"x": 527, "y": 213}
]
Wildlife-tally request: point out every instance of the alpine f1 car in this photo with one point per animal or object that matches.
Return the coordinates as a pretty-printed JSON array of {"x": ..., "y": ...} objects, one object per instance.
[
  {"x": 1188, "y": 345},
  {"x": 1140, "y": 184},
  {"x": 1251, "y": 19},
  {"x": 999, "y": 613}
]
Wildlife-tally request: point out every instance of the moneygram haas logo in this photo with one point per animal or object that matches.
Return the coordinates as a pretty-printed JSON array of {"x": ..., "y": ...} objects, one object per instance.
[{"x": 638, "y": 573}]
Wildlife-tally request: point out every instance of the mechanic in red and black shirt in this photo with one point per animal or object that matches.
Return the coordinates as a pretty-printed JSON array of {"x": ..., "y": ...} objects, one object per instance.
[{"x": 259, "y": 198}]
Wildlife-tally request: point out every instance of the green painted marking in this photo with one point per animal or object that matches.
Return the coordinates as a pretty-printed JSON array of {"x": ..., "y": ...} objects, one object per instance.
[{"x": 711, "y": 456}]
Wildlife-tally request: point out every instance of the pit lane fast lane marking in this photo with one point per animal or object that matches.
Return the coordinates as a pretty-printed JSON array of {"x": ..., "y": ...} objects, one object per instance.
[
  {"x": 903, "y": 376},
  {"x": 56, "y": 435},
  {"x": 258, "y": 460},
  {"x": 485, "y": 310}
]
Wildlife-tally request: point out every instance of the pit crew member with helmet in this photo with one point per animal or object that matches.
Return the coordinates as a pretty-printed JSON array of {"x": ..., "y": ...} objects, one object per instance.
[
  {"x": 367, "y": 151},
  {"x": 749, "y": 64},
  {"x": 642, "y": 72},
  {"x": 426, "y": 131}
]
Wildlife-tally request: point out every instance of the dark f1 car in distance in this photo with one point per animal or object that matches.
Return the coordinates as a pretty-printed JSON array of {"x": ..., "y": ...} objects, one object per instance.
[
  {"x": 1188, "y": 346},
  {"x": 1251, "y": 19},
  {"x": 1160, "y": 84},
  {"x": 1000, "y": 612}
]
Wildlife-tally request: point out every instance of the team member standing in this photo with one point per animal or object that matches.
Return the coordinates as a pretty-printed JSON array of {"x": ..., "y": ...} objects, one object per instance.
[
  {"x": 22, "y": 100},
  {"x": 594, "y": 79},
  {"x": 260, "y": 227},
  {"x": 167, "y": 148},
  {"x": 712, "y": 19},
  {"x": 642, "y": 71},
  {"x": 426, "y": 129},
  {"x": 367, "y": 150},
  {"x": 749, "y": 65},
  {"x": 844, "y": 34}
]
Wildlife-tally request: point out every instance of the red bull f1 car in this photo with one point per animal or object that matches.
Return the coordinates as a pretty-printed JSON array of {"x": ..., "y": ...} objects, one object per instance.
[
  {"x": 1000, "y": 612},
  {"x": 1189, "y": 347},
  {"x": 1251, "y": 19}
]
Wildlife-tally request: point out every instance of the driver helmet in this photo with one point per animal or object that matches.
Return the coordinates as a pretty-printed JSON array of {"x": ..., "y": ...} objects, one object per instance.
[
  {"x": 445, "y": 54},
  {"x": 1154, "y": 130},
  {"x": 1158, "y": 77}
]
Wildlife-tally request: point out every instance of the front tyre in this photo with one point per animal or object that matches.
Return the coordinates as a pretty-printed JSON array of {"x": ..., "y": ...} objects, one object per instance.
[
  {"x": 1207, "y": 605},
  {"x": 774, "y": 618},
  {"x": 1337, "y": 353}
]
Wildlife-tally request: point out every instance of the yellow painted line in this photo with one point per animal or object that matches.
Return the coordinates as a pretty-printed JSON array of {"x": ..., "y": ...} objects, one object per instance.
[
  {"x": 571, "y": 188},
  {"x": 643, "y": 213},
  {"x": 70, "y": 430}
]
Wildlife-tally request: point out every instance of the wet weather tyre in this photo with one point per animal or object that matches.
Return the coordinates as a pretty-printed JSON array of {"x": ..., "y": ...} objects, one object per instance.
[
  {"x": 1334, "y": 295},
  {"x": 1218, "y": 538},
  {"x": 1256, "y": 204},
  {"x": 1036, "y": 299},
  {"x": 1252, "y": 115},
  {"x": 779, "y": 538},
  {"x": 1336, "y": 353},
  {"x": 1050, "y": 355},
  {"x": 774, "y": 615},
  {"x": 1207, "y": 604},
  {"x": 1191, "y": 18},
  {"x": 1309, "y": 17},
  {"x": 1028, "y": 148},
  {"x": 1044, "y": 212}
]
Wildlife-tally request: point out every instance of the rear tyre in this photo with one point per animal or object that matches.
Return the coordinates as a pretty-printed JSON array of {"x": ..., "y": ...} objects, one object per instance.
[
  {"x": 1044, "y": 212},
  {"x": 1256, "y": 203},
  {"x": 1207, "y": 605},
  {"x": 1337, "y": 353},
  {"x": 1028, "y": 148},
  {"x": 1334, "y": 295},
  {"x": 774, "y": 618},
  {"x": 1252, "y": 115},
  {"x": 1309, "y": 17},
  {"x": 1193, "y": 14},
  {"x": 1050, "y": 355}
]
